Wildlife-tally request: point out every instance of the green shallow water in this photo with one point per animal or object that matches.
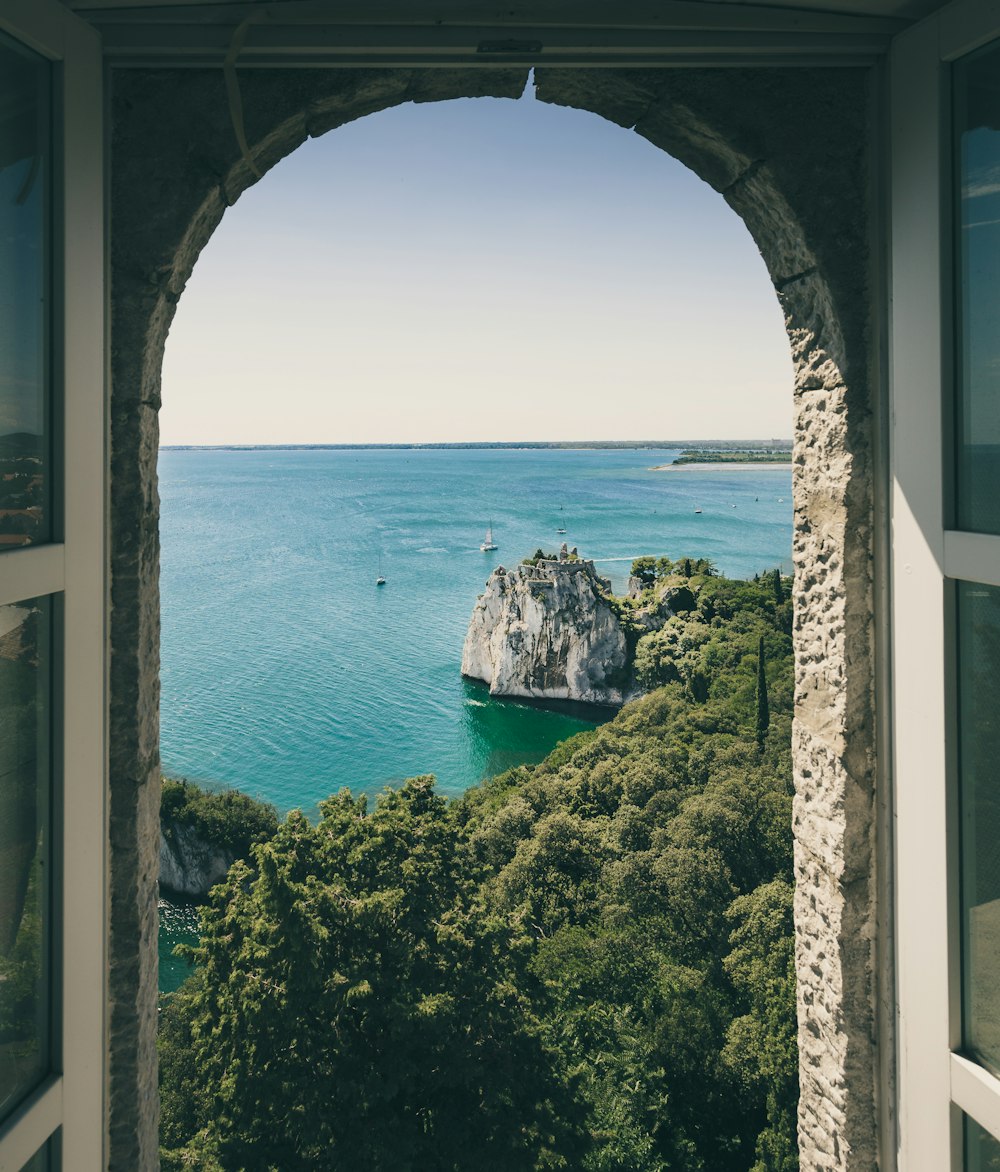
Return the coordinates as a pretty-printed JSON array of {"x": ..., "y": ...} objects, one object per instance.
[{"x": 178, "y": 925}]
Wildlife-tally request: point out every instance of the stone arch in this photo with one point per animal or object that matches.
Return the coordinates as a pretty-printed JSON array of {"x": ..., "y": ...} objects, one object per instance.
[{"x": 787, "y": 148}]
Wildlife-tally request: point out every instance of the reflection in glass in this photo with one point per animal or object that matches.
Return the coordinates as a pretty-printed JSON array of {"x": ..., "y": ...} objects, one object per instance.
[
  {"x": 25, "y": 849},
  {"x": 46, "y": 1159},
  {"x": 977, "y": 138},
  {"x": 979, "y": 757},
  {"x": 25, "y": 238},
  {"x": 982, "y": 1152}
]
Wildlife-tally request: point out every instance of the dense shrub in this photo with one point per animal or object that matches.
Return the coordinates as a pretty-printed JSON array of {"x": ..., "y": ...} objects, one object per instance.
[{"x": 228, "y": 818}]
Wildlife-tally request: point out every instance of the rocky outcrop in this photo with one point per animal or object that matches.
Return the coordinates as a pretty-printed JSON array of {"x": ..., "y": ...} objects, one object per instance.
[
  {"x": 188, "y": 864},
  {"x": 549, "y": 630}
]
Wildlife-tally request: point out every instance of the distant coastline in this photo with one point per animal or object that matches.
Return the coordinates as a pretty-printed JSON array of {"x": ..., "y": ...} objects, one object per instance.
[
  {"x": 686, "y": 446},
  {"x": 723, "y": 466},
  {"x": 775, "y": 455}
]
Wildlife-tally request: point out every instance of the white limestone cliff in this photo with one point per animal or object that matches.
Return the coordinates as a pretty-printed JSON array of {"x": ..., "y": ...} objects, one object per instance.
[
  {"x": 548, "y": 631},
  {"x": 188, "y": 864}
]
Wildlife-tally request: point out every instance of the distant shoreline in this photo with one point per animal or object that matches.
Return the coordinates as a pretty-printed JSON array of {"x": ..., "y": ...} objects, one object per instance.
[
  {"x": 512, "y": 445},
  {"x": 722, "y": 466}
]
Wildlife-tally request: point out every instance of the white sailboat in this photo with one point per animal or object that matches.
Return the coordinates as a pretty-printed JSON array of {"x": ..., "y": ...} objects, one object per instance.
[
  {"x": 562, "y": 527},
  {"x": 380, "y": 581},
  {"x": 488, "y": 543}
]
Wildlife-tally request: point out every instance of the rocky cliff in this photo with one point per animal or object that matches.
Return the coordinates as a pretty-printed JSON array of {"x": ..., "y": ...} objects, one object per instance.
[
  {"x": 203, "y": 832},
  {"x": 549, "y": 630},
  {"x": 189, "y": 864}
]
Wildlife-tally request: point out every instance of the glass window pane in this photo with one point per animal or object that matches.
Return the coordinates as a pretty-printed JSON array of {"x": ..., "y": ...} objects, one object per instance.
[
  {"x": 977, "y": 138},
  {"x": 25, "y": 296},
  {"x": 979, "y": 761},
  {"x": 46, "y": 1159},
  {"x": 982, "y": 1152},
  {"x": 25, "y": 850}
]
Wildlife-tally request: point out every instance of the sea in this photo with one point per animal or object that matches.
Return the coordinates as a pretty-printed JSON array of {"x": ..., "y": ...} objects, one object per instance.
[{"x": 289, "y": 674}]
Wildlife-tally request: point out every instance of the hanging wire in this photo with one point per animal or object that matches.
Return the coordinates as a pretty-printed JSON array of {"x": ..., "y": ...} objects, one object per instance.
[{"x": 233, "y": 90}]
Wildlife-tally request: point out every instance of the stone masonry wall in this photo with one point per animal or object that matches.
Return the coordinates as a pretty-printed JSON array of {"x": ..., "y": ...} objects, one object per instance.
[{"x": 787, "y": 149}]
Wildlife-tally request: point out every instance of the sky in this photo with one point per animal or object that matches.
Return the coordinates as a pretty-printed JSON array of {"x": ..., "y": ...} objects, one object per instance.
[{"x": 481, "y": 269}]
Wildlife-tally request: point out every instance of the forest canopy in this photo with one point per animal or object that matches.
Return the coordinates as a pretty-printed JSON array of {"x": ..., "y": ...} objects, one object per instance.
[
  {"x": 226, "y": 818},
  {"x": 584, "y": 964}
]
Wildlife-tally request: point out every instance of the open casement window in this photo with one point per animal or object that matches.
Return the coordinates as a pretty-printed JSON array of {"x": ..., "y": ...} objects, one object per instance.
[
  {"x": 52, "y": 592},
  {"x": 945, "y": 378}
]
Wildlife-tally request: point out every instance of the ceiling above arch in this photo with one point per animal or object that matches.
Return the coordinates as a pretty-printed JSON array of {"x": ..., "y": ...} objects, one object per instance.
[
  {"x": 624, "y": 12},
  {"x": 511, "y": 32}
]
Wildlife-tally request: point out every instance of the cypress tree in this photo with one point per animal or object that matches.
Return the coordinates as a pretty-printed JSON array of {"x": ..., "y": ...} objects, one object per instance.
[
  {"x": 779, "y": 590},
  {"x": 763, "y": 712}
]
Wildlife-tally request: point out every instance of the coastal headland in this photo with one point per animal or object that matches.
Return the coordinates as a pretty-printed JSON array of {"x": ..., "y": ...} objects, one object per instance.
[
  {"x": 720, "y": 466},
  {"x": 551, "y": 628},
  {"x": 722, "y": 459}
]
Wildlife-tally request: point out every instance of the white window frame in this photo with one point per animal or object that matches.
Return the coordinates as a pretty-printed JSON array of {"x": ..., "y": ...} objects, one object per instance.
[
  {"x": 936, "y": 1084},
  {"x": 74, "y": 571}
]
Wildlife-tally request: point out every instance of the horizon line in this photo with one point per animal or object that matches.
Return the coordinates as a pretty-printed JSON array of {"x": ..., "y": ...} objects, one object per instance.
[{"x": 774, "y": 444}]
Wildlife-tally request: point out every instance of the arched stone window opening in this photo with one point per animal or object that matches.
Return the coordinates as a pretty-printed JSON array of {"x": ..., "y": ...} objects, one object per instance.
[{"x": 788, "y": 150}]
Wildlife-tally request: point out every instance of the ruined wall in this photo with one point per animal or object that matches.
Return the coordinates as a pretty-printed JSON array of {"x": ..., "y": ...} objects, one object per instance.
[{"x": 787, "y": 148}]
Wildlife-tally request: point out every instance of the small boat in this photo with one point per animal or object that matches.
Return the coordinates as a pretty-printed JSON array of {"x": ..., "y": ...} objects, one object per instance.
[
  {"x": 697, "y": 510},
  {"x": 488, "y": 543},
  {"x": 380, "y": 581},
  {"x": 561, "y": 528}
]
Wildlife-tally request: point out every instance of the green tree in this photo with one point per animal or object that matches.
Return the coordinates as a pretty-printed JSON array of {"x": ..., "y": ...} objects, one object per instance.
[
  {"x": 355, "y": 1008},
  {"x": 762, "y": 1048},
  {"x": 779, "y": 590},
  {"x": 226, "y": 818},
  {"x": 763, "y": 711},
  {"x": 644, "y": 569}
]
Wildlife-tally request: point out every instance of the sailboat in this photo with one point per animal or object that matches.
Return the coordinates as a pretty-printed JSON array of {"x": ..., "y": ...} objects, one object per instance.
[
  {"x": 488, "y": 543},
  {"x": 561, "y": 528},
  {"x": 380, "y": 581}
]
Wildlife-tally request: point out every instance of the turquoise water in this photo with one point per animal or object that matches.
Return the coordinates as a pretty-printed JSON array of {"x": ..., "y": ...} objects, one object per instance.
[
  {"x": 288, "y": 673},
  {"x": 178, "y": 925}
]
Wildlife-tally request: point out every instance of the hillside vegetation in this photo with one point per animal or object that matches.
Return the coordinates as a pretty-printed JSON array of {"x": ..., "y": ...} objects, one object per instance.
[
  {"x": 741, "y": 456},
  {"x": 226, "y": 818},
  {"x": 585, "y": 964}
]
